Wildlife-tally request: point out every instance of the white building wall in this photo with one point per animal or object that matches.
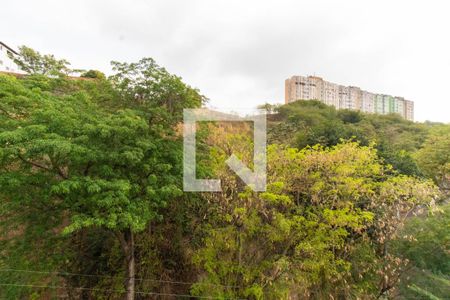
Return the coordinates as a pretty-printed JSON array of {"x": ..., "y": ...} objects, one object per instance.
[
  {"x": 409, "y": 110},
  {"x": 330, "y": 94},
  {"x": 386, "y": 104},
  {"x": 400, "y": 106},
  {"x": 367, "y": 102},
  {"x": 379, "y": 104},
  {"x": 344, "y": 97},
  {"x": 6, "y": 63},
  {"x": 354, "y": 98}
]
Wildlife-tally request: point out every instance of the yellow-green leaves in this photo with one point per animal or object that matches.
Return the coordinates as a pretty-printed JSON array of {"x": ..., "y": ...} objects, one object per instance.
[{"x": 321, "y": 208}]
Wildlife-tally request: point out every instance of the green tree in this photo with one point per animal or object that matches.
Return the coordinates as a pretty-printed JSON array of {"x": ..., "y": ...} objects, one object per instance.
[
  {"x": 310, "y": 234},
  {"x": 306, "y": 123},
  {"x": 425, "y": 242},
  {"x": 269, "y": 108},
  {"x": 152, "y": 88},
  {"x": 93, "y": 74},
  {"x": 434, "y": 157},
  {"x": 100, "y": 167},
  {"x": 33, "y": 62}
]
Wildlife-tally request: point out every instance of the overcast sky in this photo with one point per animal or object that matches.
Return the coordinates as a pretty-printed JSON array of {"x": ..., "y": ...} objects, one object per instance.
[{"x": 238, "y": 53}]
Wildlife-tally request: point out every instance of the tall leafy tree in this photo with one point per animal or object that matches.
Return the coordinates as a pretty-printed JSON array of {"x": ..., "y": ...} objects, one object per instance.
[
  {"x": 33, "y": 62},
  {"x": 97, "y": 166}
]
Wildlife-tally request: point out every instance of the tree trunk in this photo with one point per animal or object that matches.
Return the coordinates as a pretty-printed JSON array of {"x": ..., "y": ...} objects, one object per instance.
[{"x": 128, "y": 245}]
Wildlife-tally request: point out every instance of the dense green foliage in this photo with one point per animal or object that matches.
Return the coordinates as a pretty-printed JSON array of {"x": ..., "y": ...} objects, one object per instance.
[
  {"x": 305, "y": 123},
  {"x": 93, "y": 74},
  {"x": 89, "y": 165},
  {"x": 425, "y": 242},
  {"x": 434, "y": 156},
  {"x": 91, "y": 205}
]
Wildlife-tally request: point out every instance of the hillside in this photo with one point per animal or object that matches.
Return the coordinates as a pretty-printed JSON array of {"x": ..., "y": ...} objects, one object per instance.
[{"x": 306, "y": 123}]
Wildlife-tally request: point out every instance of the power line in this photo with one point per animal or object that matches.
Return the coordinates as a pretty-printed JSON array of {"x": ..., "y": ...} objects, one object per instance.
[
  {"x": 109, "y": 276},
  {"x": 119, "y": 291},
  {"x": 108, "y": 290}
]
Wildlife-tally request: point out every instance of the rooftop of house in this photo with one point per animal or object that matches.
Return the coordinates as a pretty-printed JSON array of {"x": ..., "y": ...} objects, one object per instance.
[{"x": 9, "y": 48}]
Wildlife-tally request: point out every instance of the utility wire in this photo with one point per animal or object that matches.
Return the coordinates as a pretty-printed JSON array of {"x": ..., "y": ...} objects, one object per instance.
[
  {"x": 118, "y": 291},
  {"x": 109, "y": 276},
  {"x": 108, "y": 290}
]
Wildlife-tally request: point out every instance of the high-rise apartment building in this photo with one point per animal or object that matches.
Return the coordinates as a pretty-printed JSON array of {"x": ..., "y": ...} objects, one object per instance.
[
  {"x": 330, "y": 93},
  {"x": 345, "y": 97},
  {"x": 367, "y": 102},
  {"x": 408, "y": 110}
]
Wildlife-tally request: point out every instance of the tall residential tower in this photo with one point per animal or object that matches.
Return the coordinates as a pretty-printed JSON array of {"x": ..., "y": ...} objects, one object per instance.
[{"x": 345, "y": 97}]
